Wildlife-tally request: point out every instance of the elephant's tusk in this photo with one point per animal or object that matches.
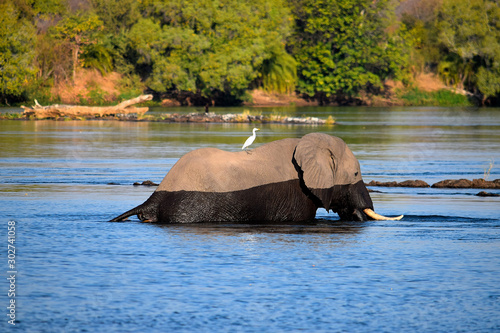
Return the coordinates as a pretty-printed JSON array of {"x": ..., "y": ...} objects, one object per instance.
[{"x": 376, "y": 216}]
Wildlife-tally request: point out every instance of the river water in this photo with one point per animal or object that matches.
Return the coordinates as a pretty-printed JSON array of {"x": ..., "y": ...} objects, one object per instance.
[{"x": 437, "y": 270}]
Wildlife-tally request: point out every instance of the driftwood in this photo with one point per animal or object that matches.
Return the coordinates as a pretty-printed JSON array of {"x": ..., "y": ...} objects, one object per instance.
[{"x": 56, "y": 111}]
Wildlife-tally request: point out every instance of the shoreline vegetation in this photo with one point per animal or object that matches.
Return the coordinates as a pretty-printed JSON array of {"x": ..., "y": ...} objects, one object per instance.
[
  {"x": 427, "y": 91},
  {"x": 202, "y": 52}
]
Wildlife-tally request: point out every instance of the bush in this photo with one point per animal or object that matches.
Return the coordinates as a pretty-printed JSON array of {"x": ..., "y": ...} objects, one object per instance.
[{"x": 443, "y": 97}]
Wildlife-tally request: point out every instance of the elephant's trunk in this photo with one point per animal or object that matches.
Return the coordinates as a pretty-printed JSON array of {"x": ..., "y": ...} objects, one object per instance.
[{"x": 379, "y": 217}]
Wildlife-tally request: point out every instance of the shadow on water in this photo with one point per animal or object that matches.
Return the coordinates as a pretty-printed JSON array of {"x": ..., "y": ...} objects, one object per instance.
[
  {"x": 319, "y": 226},
  {"x": 322, "y": 226}
]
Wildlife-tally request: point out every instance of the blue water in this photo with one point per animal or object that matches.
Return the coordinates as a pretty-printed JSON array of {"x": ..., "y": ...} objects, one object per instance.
[{"x": 437, "y": 270}]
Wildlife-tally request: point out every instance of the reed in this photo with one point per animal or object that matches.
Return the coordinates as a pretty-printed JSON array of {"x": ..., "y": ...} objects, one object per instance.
[{"x": 487, "y": 170}]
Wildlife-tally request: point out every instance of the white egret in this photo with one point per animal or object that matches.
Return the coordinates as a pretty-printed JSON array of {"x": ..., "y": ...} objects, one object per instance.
[{"x": 250, "y": 139}]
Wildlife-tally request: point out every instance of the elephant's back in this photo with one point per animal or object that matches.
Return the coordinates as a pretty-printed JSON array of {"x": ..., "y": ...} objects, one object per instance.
[{"x": 215, "y": 170}]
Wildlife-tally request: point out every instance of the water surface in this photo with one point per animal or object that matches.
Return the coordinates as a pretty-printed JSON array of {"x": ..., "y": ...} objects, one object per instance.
[{"x": 437, "y": 270}]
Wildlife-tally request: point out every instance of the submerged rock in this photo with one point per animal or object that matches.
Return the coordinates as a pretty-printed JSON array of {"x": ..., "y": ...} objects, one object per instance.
[
  {"x": 145, "y": 183},
  {"x": 453, "y": 183},
  {"x": 406, "y": 183},
  {"x": 465, "y": 183},
  {"x": 413, "y": 183},
  {"x": 487, "y": 194},
  {"x": 447, "y": 183}
]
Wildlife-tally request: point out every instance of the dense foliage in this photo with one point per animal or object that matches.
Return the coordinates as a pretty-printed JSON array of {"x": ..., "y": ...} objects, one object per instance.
[
  {"x": 344, "y": 47},
  {"x": 216, "y": 50},
  {"x": 17, "y": 37},
  {"x": 470, "y": 35},
  {"x": 460, "y": 41},
  {"x": 206, "y": 46}
]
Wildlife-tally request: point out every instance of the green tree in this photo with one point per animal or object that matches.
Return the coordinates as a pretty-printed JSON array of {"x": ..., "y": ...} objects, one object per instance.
[
  {"x": 279, "y": 72},
  {"x": 17, "y": 40},
  {"x": 207, "y": 47},
  {"x": 53, "y": 60},
  {"x": 97, "y": 56},
  {"x": 469, "y": 33},
  {"x": 78, "y": 30},
  {"x": 49, "y": 11},
  {"x": 118, "y": 16},
  {"x": 345, "y": 47},
  {"x": 419, "y": 18}
]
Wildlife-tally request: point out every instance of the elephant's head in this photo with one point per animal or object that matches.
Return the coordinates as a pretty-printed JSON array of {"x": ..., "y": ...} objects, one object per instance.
[{"x": 331, "y": 175}]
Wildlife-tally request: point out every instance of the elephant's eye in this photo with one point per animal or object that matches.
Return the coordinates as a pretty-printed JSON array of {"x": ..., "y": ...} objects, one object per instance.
[{"x": 356, "y": 173}]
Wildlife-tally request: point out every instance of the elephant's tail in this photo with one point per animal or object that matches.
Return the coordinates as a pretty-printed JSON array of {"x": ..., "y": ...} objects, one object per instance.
[
  {"x": 146, "y": 212},
  {"x": 134, "y": 211}
]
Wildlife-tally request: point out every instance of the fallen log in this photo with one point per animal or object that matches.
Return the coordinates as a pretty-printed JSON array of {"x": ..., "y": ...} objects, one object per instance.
[{"x": 56, "y": 110}]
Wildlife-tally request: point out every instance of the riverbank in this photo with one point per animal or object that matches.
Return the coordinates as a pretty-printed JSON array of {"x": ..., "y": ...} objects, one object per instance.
[
  {"x": 93, "y": 89},
  {"x": 127, "y": 111}
]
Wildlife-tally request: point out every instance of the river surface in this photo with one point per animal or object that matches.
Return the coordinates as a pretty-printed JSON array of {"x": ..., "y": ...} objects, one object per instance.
[{"x": 437, "y": 270}]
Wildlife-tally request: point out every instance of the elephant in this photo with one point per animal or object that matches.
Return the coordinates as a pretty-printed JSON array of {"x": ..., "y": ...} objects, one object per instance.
[{"x": 282, "y": 181}]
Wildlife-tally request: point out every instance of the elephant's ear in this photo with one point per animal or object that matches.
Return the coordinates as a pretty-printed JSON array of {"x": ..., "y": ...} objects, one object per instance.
[{"x": 316, "y": 161}]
